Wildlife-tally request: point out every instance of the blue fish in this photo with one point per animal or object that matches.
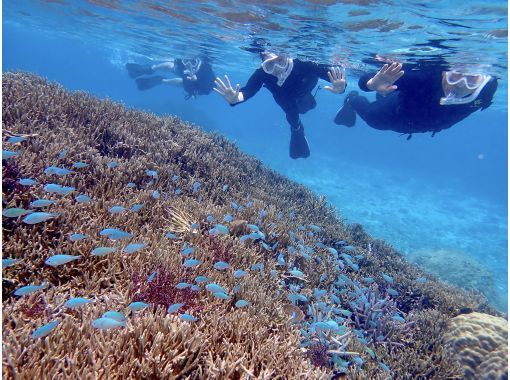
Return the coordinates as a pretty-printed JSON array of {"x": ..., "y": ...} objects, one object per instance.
[
  {"x": 27, "y": 182},
  {"x": 29, "y": 289},
  {"x": 80, "y": 165},
  {"x": 137, "y": 306},
  {"x": 174, "y": 307},
  {"x": 152, "y": 173},
  {"x": 131, "y": 184},
  {"x": 221, "y": 295},
  {"x": 281, "y": 259},
  {"x": 392, "y": 292},
  {"x": 253, "y": 227},
  {"x": 6, "y": 154},
  {"x": 296, "y": 273},
  {"x": 62, "y": 190},
  {"x": 115, "y": 234},
  {"x": 119, "y": 317},
  {"x": 188, "y": 317},
  {"x": 190, "y": 263},
  {"x": 155, "y": 194},
  {"x": 116, "y": 209},
  {"x": 16, "y": 139},
  {"x": 170, "y": 235},
  {"x": 103, "y": 251},
  {"x": 151, "y": 277},
  {"x": 8, "y": 262},
  {"x": 76, "y": 302},
  {"x": 45, "y": 330},
  {"x": 187, "y": 251},
  {"x": 195, "y": 288},
  {"x": 196, "y": 186},
  {"x": 62, "y": 154},
  {"x": 112, "y": 164},
  {"x": 77, "y": 237},
  {"x": 242, "y": 303},
  {"x": 42, "y": 203},
  {"x": 38, "y": 217},
  {"x": 57, "y": 260},
  {"x": 215, "y": 288},
  {"x": 210, "y": 219},
  {"x": 228, "y": 218},
  {"x": 221, "y": 265},
  {"x": 224, "y": 188},
  {"x": 318, "y": 293},
  {"x": 178, "y": 191},
  {"x": 333, "y": 251},
  {"x": 397, "y": 317},
  {"x": 240, "y": 273},
  {"x": 14, "y": 212},
  {"x": 297, "y": 297},
  {"x": 315, "y": 228},
  {"x": 236, "y": 288},
  {"x": 105, "y": 323},
  {"x": 257, "y": 266},
  {"x": 200, "y": 279},
  {"x": 82, "y": 198},
  {"x": 182, "y": 285},
  {"x": 137, "y": 207},
  {"x": 387, "y": 278},
  {"x": 57, "y": 171},
  {"x": 133, "y": 247}
]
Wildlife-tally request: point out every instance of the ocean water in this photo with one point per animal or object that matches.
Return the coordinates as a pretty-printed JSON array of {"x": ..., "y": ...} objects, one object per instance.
[{"x": 438, "y": 200}]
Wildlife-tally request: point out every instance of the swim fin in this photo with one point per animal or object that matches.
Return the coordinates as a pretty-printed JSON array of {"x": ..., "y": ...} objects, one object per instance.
[
  {"x": 298, "y": 144},
  {"x": 145, "y": 83},
  {"x": 135, "y": 70},
  {"x": 346, "y": 115}
]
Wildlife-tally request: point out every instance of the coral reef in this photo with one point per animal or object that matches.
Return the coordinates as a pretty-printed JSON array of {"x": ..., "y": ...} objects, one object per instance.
[
  {"x": 243, "y": 273},
  {"x": 480, "y": 343}
]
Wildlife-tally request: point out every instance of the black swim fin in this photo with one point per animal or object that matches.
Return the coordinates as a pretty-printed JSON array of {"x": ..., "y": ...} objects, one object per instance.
[
  {"x": 346, "y": 115},
  {"x": 298, "y": 147},
  {"x": 135, "y": 70},
  {"x": 145, "y": 83}
]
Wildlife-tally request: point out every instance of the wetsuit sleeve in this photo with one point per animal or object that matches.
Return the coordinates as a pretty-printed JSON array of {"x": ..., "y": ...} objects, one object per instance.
[
  {"x": 362, "y": 83},
  {"x": 318, "y": 69},
  {"x": 252, "y": 86}
]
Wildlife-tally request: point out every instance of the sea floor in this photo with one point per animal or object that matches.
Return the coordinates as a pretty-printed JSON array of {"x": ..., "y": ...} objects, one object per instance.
[{"x": 460, "y": 238}]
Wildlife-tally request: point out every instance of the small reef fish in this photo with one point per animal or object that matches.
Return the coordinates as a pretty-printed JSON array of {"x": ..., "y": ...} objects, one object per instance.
[
  {"x": 137, "y": 207},
  {"x": 210, "y": 219},
  {"x": 103, "y": 251},
  {"x": 240, "y": 273},
  {"x": 29, "y": 289},
  {"x": 392, "y": 292},
  {"x": 14, "y": 212},
  {"x": 115, "y": 315},
  {"x": 228, "y": 218},
  {"x": 296, "y": 273},
  {"x": 133, "y": 247},
  {"x": 82, "y": 198},
  {"x": 152, "y": 173},
  {"x": 188, "y": 317},
  {"x": 257, "y": 266},
  {"x": 297, "y": 297},
  {"x": 190, "y": 263},
  {"x": 137, "y": 306},
  {"x": 16, "y": 139},
  {"x": 105, "y": 323},
  {"x": 195, "y": 288},
  {"x": 170, "y": 235},
  {"x": 115, "y": 234},
  {"x": 200, "y": 279},
  {"x": 112, "y": 164},
  {"x": 8, "y": 262},
  {"x": 242, "y": 303},
  {"x": 73, "y": 303},
  {"x": 38, "y": 217},
  {"x": 42, "y": 203},
  {"x": 58, "y": 189},
  {"x": 57, "y": 260},
  {"x": 116, "y": 209},
  {"x": 152, "y": 277},
  {"x": 196, "y": 186},
  {"x": 221, "y": 265},
  {"x": 182, "y": 285},
  {"x": 156, "y": 194},
  {"x": 187, "y": 251},
  {"x": 178, "y": 191},
  {"x": 221, "y": 295},
  {"x": 27, "y": 182},
  {"x": 387, "y": 278},
  {"x": 57, "y": 171},
  {"x": 314, "y": 228},
  {"x": 224, "y": 188},
  {"x": 80, "y": 165},
  {"x": 131, "y": 184},
  {"x": 6, "y": 154},
  {"x": 175, "y": 307},
  {"x": 62, "y": 154},
  {"x": 77, "y": 237},
  {"x": 215, "y": 288},
  {"x": 45, "y": 330}
]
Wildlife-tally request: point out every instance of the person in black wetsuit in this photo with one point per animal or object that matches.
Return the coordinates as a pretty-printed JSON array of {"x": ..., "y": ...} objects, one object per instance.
[
  {"x": 429, "y": 99},
  {"x": 194, "y": 75},
  {"x": 291, "y": 82}
]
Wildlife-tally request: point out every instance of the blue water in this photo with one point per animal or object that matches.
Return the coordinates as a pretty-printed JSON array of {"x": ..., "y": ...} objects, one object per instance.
[{"x": 443, "y": 193}]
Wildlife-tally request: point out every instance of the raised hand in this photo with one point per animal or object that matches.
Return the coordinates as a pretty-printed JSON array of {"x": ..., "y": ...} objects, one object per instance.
[
  {"x": 232, "y": 96},
  {"x": 382, "y": 82},
  {"x": 337, "y": 79}
]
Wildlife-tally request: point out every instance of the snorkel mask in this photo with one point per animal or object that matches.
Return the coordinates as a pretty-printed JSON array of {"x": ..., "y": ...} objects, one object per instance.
[
  {"x": 462, "y": 88},
  {"x": 192, "y": 66},
  {"x": 278, "y": 65}
]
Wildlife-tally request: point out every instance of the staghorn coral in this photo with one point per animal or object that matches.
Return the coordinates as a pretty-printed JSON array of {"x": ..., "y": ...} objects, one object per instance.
[
  {"x": 480, "y": 343},
  {"x": 226, "y": 342}
]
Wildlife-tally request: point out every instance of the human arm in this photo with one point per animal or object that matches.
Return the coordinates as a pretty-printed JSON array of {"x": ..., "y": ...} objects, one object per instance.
[
  {"x": 173, "y": 81},
  {"x": 334, "y": 75},
  {"x": 169, "y": 65},
  {"x": 239, "y": 95}
]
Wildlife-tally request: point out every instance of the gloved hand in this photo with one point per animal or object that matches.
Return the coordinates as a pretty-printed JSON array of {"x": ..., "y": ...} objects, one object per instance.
[
  {"x": 382, "y": 82},
  {"x": 231, "y": 96}
]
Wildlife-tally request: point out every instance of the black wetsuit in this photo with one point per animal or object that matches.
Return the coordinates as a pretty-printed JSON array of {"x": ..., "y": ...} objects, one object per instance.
[
  {"x": 294, "y": 97},
  {"x": 204, "y": 83},
  {"x": 414, "y": 107}
]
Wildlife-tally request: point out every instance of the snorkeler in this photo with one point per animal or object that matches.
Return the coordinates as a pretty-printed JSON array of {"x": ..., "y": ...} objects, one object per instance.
[
  {"x": 429, "y": 99},
  {"x": 291, "y": 82},
  {"x": 195, "y": 75}
]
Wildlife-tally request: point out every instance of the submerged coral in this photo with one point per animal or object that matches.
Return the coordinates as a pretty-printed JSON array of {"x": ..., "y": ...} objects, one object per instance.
[{"x": 242, "y": 273}]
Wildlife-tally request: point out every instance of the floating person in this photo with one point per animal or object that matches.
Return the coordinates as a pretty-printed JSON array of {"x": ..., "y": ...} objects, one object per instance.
[
  {"x": 291, "y": 82},
  {"x": 429, "y": 99},
  {"x": 194, "y": 75}
]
